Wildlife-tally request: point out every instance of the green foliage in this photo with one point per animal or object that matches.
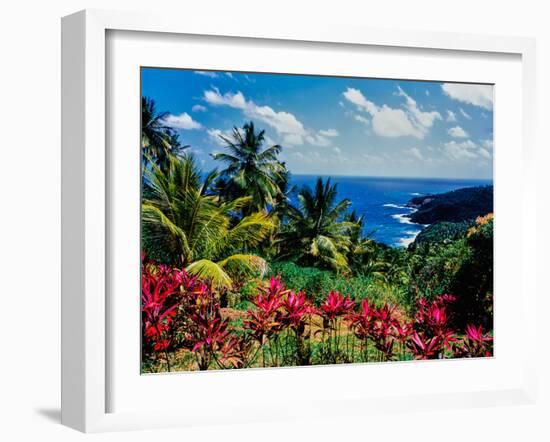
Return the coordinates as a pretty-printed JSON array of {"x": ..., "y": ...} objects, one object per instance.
[
  {"x": 195, "y": 229},
  {"x": 315, "y": 235},
  {"x": 463, "y": 267},
  {"x": 158, "y": 140},
  {"x": 473, "y": 282},
  {"x": 442, "y": 231},
  {"x": 432, "y": 269},
  {"x": 317, "y": 283},
  {"x": 225, "y": 227},
  {"x": 251, "y": 170}
]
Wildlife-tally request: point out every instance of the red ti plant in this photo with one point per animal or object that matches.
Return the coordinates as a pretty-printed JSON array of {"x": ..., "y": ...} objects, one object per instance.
[
  {"x": 432, "y": 327},
  {"x": 384, "y": 331},
  {"x": 235, "y": 351},
  {"x": 475, "y": 343},
  {"x": 336, "y": 305},
  {"x": 423, "y": 347},
  {"x": 209, "y": 333},
  {"x": 296, "y": 308},
  {"x": 296, "y": 312},
  {"x": 332, "y": 310},
  {"x": 264, "y": 321},
  {"x": 159, "y": 304},
  {"x": 362, "y": 324}
]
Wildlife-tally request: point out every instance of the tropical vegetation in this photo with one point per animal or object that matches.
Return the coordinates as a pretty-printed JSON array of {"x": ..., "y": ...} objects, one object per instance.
[{"x": 242, "y": 269}]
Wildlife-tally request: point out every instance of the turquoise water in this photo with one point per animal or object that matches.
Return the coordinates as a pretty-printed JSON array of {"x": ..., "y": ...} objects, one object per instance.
[{"x": 382, "y": 201}]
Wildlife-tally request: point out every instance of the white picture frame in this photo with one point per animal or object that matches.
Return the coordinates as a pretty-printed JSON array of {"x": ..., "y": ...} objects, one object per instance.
[{"x": 85, "y": 216}]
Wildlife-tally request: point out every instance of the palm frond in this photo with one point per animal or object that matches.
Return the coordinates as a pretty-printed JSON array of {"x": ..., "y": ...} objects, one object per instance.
[
  {"x": 244, "y": 265},
  {"x": 210, "y": 271},
  {"x": 251, "y": 230},
  {"x": 162, "y": 227}
]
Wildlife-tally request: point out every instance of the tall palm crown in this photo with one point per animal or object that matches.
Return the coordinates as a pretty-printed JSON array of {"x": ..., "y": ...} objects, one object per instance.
[
  {"x": 251, "y": 170},
  {"x": 194, "y": 228},
  {"x": 315, "y": 231},
  {"x": 158, "y": 141}
]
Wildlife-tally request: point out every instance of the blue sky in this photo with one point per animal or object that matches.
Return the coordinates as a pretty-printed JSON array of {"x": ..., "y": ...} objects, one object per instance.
[{"x": 333, "y": 125}]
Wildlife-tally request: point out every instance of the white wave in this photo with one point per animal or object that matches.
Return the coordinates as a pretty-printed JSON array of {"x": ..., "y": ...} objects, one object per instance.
[
  {"x": 398, "y": 206},
  {"x": 402, "y": 218},
  {"x": 405, "y": 241},
  {"x": 416, "y": 194}
]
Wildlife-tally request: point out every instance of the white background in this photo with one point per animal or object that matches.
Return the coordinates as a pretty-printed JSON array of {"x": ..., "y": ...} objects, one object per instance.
[{"x": 30, "y": 111}]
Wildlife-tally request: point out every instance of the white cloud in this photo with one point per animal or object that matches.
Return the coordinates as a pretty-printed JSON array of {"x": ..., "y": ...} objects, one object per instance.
[
  {"x": 457, "y": 132},
  {"x": 337, "y": 150},
  {"x": 362, "y": 119},
  {"x": 216, "y": 134},
  {"x": 285, "y": 124},
  {"x": 214, "y": 97},
  {"x": 198, "y": 108},
  {"x": 329, "y": 133},
  {"x": 475, "y": 94},
  {"x": 484, "y": 153},
  {"x": 318, "y": 140},
  {"x": 356, "y": 97},
  {"x": 293, "y": 139},
  {"x": 460, "y": 150},
  {"x": 414, "y": 152},
  {"x": 424, "y": 119},
  {"x": 207, "y": 74},
  {"x": 465, "y": 114},
  {"x": 468, "y": 150},
  {"x": 269, "y": 141},
  {"x": 486, "y": 148},
  {"x": 181, "y": 121},
  {"x": 394, "y": 123},
  {"x": 391, "y": 122},
  {"x": 451, "y": 116}
]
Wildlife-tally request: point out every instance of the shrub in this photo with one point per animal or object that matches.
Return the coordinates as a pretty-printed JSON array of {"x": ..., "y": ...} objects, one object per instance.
[
  {"x": 284, "y": 327},
  {"x": 317, "y": 283}
]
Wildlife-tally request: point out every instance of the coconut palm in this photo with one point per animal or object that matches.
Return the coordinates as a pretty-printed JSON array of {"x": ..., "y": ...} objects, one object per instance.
[
  {"x": 251, "y": 169},
  {"x": 193, "y": 228},
  {"x": 361, "y": 247},
  {"x": 158, "y": 141},
  {"x": 316, "y": 233}
]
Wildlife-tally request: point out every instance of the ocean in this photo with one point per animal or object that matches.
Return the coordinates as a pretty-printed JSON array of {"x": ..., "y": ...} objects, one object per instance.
[{"x": 382, "y": 201}]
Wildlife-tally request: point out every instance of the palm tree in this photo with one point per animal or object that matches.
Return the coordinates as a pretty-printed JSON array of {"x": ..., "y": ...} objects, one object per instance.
[
  {"x": 192, "y": 228},
  {"x": 251, "y": 170},
  {"x": 158, "y": 141},
  {"x": 315, "y": 233},
  {"x": 360, "y": 247}
]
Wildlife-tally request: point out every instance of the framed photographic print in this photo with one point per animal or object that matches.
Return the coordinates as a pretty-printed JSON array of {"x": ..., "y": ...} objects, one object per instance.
[{"x": 249, "y": 213}]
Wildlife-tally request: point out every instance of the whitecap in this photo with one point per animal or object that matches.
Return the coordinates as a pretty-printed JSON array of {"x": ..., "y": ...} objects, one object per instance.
[
  {"x": 402, "y": 218},
  {"x": 397, "y": 206},
  {"x": 407, "y": 240}
]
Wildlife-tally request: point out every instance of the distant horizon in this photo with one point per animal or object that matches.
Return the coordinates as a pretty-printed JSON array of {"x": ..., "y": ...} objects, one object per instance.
[{"x": 393, "y": 177}]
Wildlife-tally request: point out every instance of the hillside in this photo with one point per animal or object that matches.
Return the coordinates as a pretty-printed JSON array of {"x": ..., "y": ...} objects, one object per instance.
[{"x": 456, "y": 206}]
